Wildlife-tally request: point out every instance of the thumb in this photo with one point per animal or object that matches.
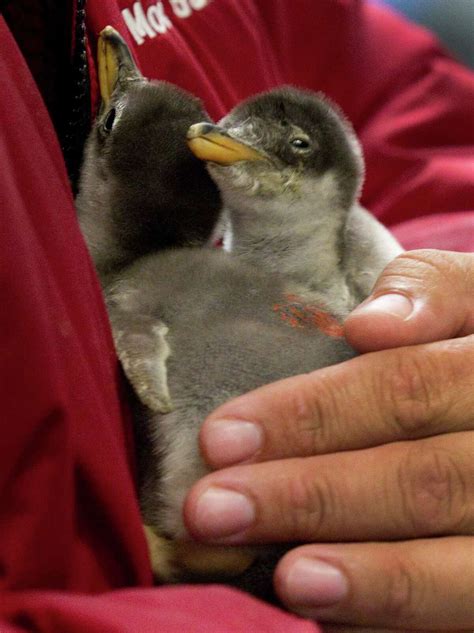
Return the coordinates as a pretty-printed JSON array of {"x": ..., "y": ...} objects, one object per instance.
[{"x": 421, "y": 296}]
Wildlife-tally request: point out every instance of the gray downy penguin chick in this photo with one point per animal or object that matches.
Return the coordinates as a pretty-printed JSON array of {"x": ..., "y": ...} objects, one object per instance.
[
  {"x": 290, "y": 169},
  {"x": 141, "y": 189},
  {"x": 234, "y": 322}
]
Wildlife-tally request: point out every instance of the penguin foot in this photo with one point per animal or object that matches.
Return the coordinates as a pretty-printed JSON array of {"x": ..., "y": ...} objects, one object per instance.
[{"x": 174, "y": 561}]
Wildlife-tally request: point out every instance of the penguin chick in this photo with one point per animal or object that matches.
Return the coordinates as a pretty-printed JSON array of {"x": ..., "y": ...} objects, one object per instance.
[
  {"x": 141, "y": 188},
  {"x": 290, "y": 170}
]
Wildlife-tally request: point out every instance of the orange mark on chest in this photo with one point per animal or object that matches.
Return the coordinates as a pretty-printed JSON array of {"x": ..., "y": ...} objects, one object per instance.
[{"x": 302, "y": 315}]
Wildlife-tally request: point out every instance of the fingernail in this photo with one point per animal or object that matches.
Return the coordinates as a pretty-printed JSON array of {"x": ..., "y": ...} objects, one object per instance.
[
  {"x": 232, "y": 441},
  {"x": 314, "y": 583},
  {"x": 221, "y": 512},
  {"x": 394, "y": 304}
]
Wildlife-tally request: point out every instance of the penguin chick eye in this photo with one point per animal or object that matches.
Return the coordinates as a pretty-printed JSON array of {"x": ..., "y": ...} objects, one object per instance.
[
  {"x": 299, "y": 143},
  {"x": 109, "y": 120}
]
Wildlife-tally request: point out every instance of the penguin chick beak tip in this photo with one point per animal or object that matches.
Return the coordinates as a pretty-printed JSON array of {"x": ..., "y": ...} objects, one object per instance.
[
  {"x": 108, "y": 32},
  {"x": 211, "y": 143}
]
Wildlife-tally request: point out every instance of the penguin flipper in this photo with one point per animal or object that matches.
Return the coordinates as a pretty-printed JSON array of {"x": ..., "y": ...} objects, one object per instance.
[{"x": 140, "y": 342}]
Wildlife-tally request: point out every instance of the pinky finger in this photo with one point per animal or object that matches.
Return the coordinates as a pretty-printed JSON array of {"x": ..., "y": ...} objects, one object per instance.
[{"x": 420, "y": 585}]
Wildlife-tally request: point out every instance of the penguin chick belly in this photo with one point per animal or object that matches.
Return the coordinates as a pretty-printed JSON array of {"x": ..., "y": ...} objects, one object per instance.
[{"x": 231, "y": 329}]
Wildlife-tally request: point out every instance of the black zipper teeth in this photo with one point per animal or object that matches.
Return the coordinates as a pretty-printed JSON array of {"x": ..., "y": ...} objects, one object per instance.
[{"x": 79, "y": 116}]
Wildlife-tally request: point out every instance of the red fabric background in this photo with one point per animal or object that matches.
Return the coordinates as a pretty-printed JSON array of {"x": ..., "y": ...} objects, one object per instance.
[{"x": 70, "y": 528}]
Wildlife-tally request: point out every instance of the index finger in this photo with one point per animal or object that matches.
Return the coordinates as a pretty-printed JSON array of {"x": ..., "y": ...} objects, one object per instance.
[{"x": 385, "y": 396}]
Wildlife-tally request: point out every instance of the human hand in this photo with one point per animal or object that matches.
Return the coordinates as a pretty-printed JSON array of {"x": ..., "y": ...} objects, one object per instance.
[{"x": 372, "y": 459}]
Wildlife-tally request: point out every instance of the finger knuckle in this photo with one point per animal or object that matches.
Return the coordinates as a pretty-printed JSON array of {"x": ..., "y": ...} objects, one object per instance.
[
  {"x": 311, "y": 507},
  {"x": 426, "y": 262},
  {"x": 426, "y": 268},
  {"x": 435, "y": 491},
  {"x": 411, "y": 267},
  {"x": 406, "y": 583},
  {"x": 416, "y": 397},
  {"x": 449, "y": 266},
  {"x": 314, "y": 410}
]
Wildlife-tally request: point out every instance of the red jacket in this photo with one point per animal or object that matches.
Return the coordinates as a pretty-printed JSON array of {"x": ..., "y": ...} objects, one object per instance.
[{"x": 72, "y": 552}]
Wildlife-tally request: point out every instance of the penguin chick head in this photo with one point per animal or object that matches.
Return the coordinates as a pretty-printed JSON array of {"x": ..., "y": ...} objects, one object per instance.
[
  {"x": 138, "y": 170},
  {"x": 154, "y": 178},
  {"x": 285, "y": 142}
]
